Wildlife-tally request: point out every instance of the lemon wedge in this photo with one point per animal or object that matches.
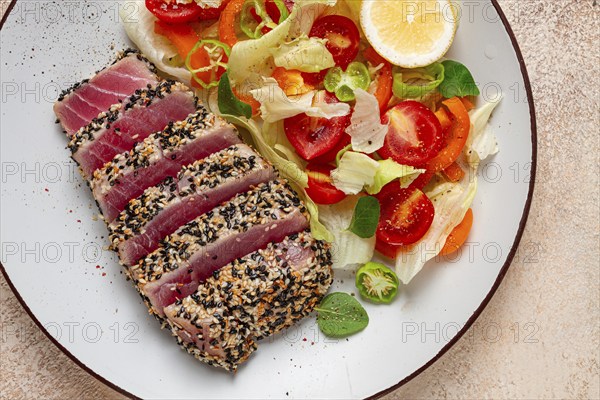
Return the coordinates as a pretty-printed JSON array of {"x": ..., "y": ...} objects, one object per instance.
[{"x": 409, "y": 33}]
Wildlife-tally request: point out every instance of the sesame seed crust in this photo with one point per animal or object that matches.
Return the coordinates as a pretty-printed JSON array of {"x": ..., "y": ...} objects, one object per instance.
[
  {"x": 141, "y": 98},
  {"x": 160, "y": 144},
  {"x": 120, "y": 55},
  {"x": 269, "y": 201},
  {"x": 233, "y": 162},
  {"x": 253, "y": 297}
]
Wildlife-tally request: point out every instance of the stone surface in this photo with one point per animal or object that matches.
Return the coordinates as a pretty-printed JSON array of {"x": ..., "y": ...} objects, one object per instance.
[{"x": 539, "y": 336}]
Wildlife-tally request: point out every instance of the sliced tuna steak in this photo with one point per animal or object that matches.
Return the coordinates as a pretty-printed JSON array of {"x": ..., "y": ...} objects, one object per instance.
[
  {"x": 117, "y": 130},
  {"x": 252, "y": 298},
  {"x": 78, "y": 105},
  {"x": 198, "y": 188},
  {"x": 248, "y": 222},
  {"x": 159, "y": 156}
]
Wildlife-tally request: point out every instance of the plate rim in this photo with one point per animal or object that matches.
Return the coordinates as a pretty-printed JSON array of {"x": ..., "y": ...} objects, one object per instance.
[{"x": 470, "y": 321}]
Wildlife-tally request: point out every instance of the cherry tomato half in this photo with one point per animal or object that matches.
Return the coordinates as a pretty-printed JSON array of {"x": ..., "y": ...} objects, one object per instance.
[
  {"x": 320, "y": 189},
  {"x": 175, "y": 13},
  {"x": 332, "y": 154},
  {"x": 342, "y": 37},
  {"x": 406, "y": 216},
  {"x": 414, "y": 135},
  {"x": 312, "y": 136}
]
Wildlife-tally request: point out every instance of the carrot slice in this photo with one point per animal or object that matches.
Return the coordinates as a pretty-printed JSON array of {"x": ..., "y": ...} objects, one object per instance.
[
  {"x": 227, "y": 22},
  {"x": 184, "y": 38},
  {"x": 456, "y": 138},
  {"x": 454, "y": 172},
  {"x": 383, "y": 91},
  {"x": 459, "y": 234}
]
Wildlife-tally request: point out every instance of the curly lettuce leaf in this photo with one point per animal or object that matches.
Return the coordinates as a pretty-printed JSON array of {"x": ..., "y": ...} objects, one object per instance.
[
  {"x": 275, "y": 105},
  {"x": 482, "y": 141},
  {"x": 354, "y": 171},
  {"x": 390, "y": 170},
  {"x": 348, "y": 249},
  {"x": 306, "y": 54},
  {"x": 365, "y": 129}
]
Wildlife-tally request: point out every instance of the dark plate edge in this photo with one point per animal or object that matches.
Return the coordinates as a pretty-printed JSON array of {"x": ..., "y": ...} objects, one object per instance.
[{"x": 471, "y": 320}]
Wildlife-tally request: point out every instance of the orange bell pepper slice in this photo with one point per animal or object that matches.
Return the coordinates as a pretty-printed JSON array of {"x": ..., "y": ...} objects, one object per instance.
[
  {"x": 385, "y": 80},
  {"x": 227, "y": 22},
  {"x": 454, "y": 172},
  {"x": 459, "y": 234},
  {"x": 456, "y": 138},
  {"x": 291, "y": 81}
]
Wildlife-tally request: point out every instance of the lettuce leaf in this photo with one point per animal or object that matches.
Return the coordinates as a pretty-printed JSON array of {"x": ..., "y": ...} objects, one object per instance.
[
  {"x": 354, "y": 171},
  {"x": 306, "y": 54},
  {"x": 365, "y": 129},
  {"x": 390, "y": 170},
  {"x": 156, "y": 48},
  {"x": 451, "y": 202},
  {"x": 482, "y": 141},
  {"x": 347, "y": 248},
  {"x": 250, "y": 59},
  {"x": 275, "y": 105}
]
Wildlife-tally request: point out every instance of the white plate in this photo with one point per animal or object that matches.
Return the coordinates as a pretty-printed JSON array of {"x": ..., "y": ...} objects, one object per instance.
[{"x": 51, "y": 244}]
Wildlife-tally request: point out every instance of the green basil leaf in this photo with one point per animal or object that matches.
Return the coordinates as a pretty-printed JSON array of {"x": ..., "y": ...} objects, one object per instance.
[
  {"x": 365, "y": 218},
  {"x": 458, "y": 81},
  {"x": 341, "y": 315},
  {"x": 228, "y": 102}
]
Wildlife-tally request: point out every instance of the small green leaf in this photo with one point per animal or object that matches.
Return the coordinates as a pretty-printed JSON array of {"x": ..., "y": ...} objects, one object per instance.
[
  {"x": 365, "y": 218},
  {"x": 228, "y": 102},
  {"x": 458, "y": 81},
  {"x": 341, "y": 315}
]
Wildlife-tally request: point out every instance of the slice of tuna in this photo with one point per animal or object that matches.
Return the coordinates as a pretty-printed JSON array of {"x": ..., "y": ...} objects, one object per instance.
[
  {"x": 198, "y": 188},
  {"x": 78, "y": 105},
  {"x": 252, "y": 298},
  {"x": 117, "y": 130},
  {"x": 248, "y": 222},
  {"x": 159, "y": 156}
]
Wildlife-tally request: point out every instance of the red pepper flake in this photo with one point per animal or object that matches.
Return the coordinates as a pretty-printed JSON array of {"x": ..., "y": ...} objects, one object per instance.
[
  {"x": 304, "y": 340},
  {"x": 70, "y": 211},
  {"x": 98, "y": 267},
  {"x": 79, "y": 220},
  {"x": 312, "y": 343},
  {"x": 46, "y": 190},
  {"x": 104, "y": 274}
]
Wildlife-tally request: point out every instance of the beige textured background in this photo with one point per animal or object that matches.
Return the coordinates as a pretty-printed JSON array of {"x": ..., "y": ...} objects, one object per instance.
[{"x": 553, "y": 302}]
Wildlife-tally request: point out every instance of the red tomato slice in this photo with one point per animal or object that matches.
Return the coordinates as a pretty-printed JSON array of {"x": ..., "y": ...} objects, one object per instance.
[
  {"x": 320, "y": 188},
  {"x": 313, "y": 137},
  {"x": 414, "y": 135},
  {"x": 422, "y": 180},
  {"x": 332, "y": 154},
  {"x": 387, "y": 250},
  {"x": 175, "y": 13},
  {"x": 342, "y": 37},
  {"x": 405, "y": 217}
]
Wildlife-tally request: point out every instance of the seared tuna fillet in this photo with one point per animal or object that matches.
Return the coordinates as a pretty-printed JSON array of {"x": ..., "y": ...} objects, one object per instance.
[
  {"x": 118, "y": 129},
  {"x": 248, "y": 222},
  {"x": 198, "y": 188},
  {"x": 252, "y": 298},
  {"x": 159, "y": 156},
  {"x": 78, "y": 105}
]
